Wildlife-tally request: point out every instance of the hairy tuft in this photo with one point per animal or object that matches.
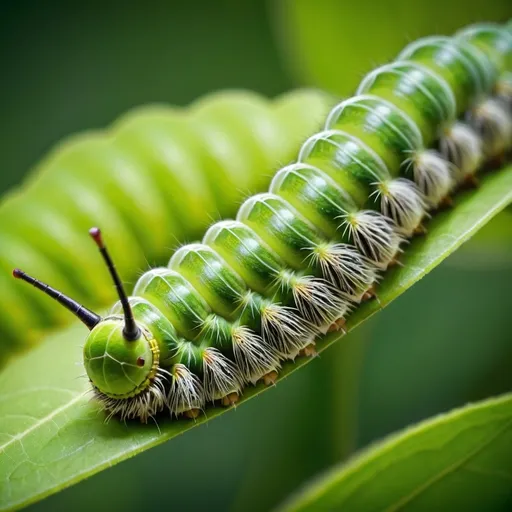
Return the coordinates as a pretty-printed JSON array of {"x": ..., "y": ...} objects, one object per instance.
[
  {"x": 318, "y": 301},
  {"x": 346, "y": 269},
  {"x": 402, "y": 201},
  {"x": 221, "y": 376},
  {"x": 432, "y": 174},
  {"x": 494, "y": 125},
  {"x": 143, "y": 406},
  {"x": 462, "y": 146},
  {"x": 284, "y": 330},
  {"x": 374, "y": 235},
  {"x": 185, "y": 392},
  {"x": 253, "y": 356}
]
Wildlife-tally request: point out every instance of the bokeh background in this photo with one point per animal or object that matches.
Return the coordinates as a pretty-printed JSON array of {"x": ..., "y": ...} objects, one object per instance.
[{"x": 68, "y": 68}]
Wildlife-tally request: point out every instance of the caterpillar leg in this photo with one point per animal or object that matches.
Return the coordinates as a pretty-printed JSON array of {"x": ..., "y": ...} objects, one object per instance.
[
  {"x": 420, "y": 230},
  {"x": 370, "y": 293},
  {"x": 470, "y": 181},
  {"x": 338, "y": 325},
  {"x": 270, "y": 378},
  {"x": 309, "y": 351},
  {"x": 446, "y": 203}
]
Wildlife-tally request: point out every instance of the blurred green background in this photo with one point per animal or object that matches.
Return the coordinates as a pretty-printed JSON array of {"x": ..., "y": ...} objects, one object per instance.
[{"x": 67, "y": 68}]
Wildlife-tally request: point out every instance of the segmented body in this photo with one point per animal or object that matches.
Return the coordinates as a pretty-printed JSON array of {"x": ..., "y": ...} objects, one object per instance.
[
  {"x": 171, "y": 169},
  {"x": 259, "y": 289}
]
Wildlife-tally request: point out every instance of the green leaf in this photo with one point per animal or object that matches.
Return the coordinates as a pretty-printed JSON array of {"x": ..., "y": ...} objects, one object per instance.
[
  {"x": 457, "y": 461},
  {"x": 52, "y": 436}
]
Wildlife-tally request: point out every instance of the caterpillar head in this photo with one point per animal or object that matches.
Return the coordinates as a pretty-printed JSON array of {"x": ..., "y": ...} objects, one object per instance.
[
  {"x": 121, "y": 357},
  {"x": 116, "y": 366}
]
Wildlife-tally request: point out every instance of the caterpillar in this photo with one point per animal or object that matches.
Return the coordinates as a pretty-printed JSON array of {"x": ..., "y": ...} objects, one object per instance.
[
  {"x": 168, "y": 168},
  {"x": 258, "y": 290}
]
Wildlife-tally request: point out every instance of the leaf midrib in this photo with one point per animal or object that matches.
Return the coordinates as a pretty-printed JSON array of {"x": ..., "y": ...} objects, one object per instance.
[{"x": 42, "y": 421}]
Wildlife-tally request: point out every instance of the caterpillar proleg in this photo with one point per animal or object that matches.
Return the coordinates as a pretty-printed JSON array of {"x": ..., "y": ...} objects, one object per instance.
[{"x": 258, "y": 289}]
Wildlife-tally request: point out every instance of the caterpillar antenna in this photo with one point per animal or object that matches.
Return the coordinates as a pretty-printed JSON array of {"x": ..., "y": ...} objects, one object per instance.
[
  {"x": 131, "y": 331},
  {"x": 86, "y": 316}
]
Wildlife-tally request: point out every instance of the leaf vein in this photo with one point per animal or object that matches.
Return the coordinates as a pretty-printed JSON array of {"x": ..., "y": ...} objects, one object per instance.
[{"x": 42, "y": 421}]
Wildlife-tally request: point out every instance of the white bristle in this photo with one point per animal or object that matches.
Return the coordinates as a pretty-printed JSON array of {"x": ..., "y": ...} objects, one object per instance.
[
  {"x": 284, "y": 330},
  {"x": 432, "y": 174},
  {"x": 253, "y": 356},
  {"x": 346, "y": 269},
  {"x": 494, "y": 125},
  {"x": 402, "y": 201},
  {"x": 461, "y": 146},
  {"x": 185, "y": 392},
  {"x": 318, "y": 301},
  {"x": 374, "y": 235},
  {"x": 220, "y": 375}
]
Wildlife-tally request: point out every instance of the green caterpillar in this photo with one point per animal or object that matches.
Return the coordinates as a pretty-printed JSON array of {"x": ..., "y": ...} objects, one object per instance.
[
  {"x": 156, "y": 177},
  {"x": 258, "y": 290}
]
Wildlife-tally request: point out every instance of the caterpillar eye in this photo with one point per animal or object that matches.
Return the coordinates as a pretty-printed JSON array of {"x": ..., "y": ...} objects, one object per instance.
[{"x": 141, "y": 362}]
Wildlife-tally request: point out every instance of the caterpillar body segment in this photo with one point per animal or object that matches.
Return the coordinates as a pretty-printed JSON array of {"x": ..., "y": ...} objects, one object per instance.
[
  {"x": 493, "y": 39},
  {"x": 425, "y": 96},
  {"x": 381, "y": 125},
  {"x": 172, "y": 293},
  {"x": 390, "y": 136},
  {"x": 230, "y": 297},
  {"x": 468, "y": 74},
  {"x": 419, "y": 92},
  {"x": 211, "y": 277},
  {"x": 266, "y": 273},
  {"x": 457, "y": 62},
  {"x": 473, "y": 75},
  {"x": 328, "y": 206},
  {"x": 360, "y": 170},
  {"x": 227, "y": 311},
  {"x": 301, "y": 245},
  {"x": 156, "y": 166}
]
